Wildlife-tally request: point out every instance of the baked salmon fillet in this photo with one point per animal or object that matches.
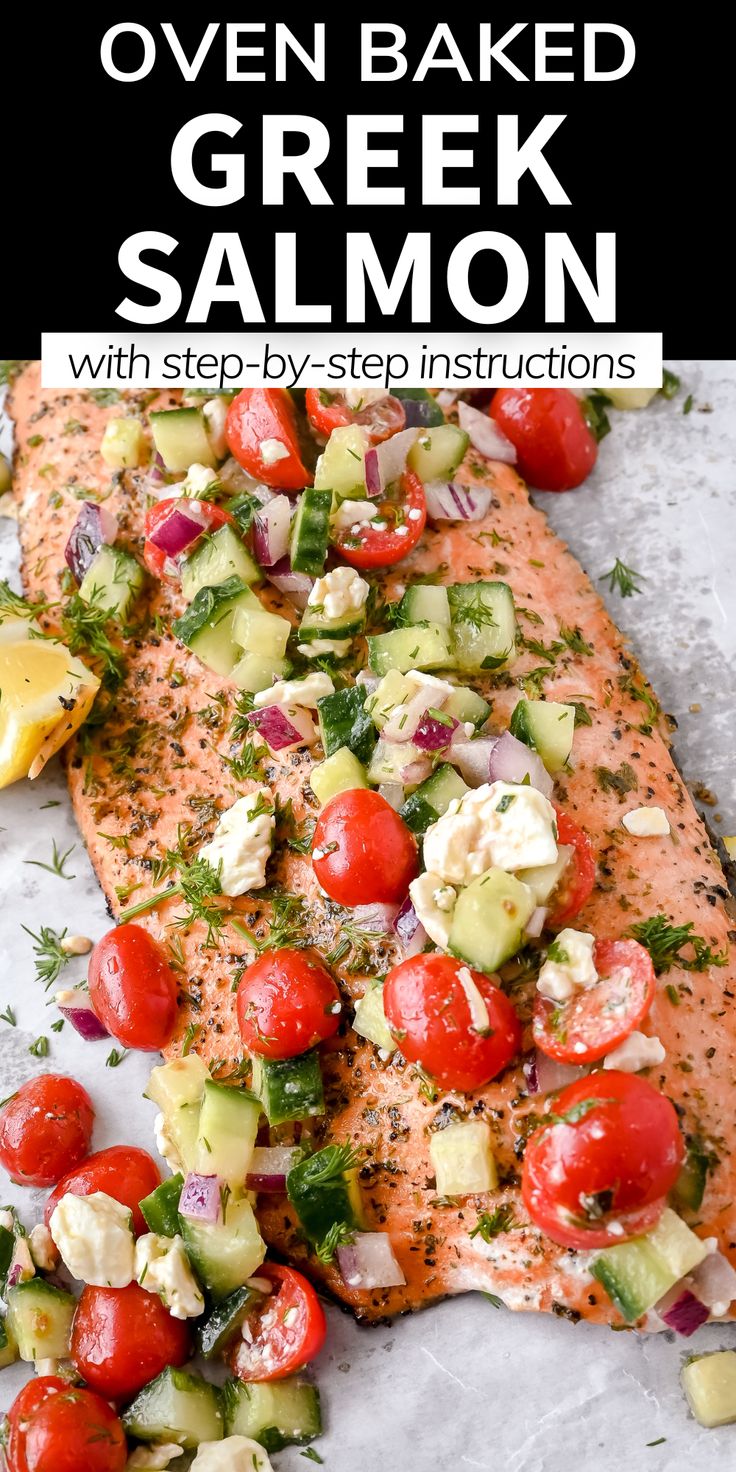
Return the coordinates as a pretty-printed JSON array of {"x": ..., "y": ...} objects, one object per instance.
[{"x": 162, "y": 758}]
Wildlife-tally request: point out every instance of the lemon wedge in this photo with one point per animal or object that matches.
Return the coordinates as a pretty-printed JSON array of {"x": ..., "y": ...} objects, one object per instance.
[{"x": 45, "y": 694}]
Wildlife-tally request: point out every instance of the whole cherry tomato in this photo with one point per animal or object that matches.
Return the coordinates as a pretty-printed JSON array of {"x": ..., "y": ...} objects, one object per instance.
[
  {"x": 285, "y": 1330},
  {"x": 124, "y": 1337},
  {"x": 71, "y": 1429},
  {"x": 555, "y": 448},
  {"x": 453, "y": 1022},
  {"x": 362, "y": 851},
  {"x": 133, "y": 989},
  {"x": 122, "y": 1171},
  {"x": 287, "y": 1002},
  {"x": 45, "y": 1129},
  {"x": 27, "y": 1403},
  {"x": 261, "y": 433}
]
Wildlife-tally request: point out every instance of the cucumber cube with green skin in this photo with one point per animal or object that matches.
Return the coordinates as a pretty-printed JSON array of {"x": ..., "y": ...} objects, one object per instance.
[
  {"x": 179, "y": 1082},
  {"x": 344, "y": 721},
  {"x": 113, "y": 581},
  {"x": 207, "y": 625},
  {"x": 432, "y": 798},
  {"x": 7, "y": 1246},
  {"x": 466, "y": 705},
  {"x": 176, "y": 1407},
  {"x": 428, "y": 412},
  {"x": 315, "y": 626},
  {"x": 341, "y": 772},
  {"x": 225, "y": 1321},
  {"x": 422, "y": 647},
  {"x": 689, "y": 1188},
  {"x": 543, "y": 880},
  {"x": 123, "y": 445},
  {"x": 254, "y": 672},
  {"x": 183, "y": 1130},
  {"x": 8, "y": 1346},
  {"x": 40, "y": 1319},
  {"x": 289, "y": 1088},
  {"x": 323, "y": 1196},
  {"x": 224, "y": 1254},
  {"x": 425, "y": 602},
  {"x": 215, "y": 559},
  {"x": 261, "y": 632},
  {"x": 394, "y": 689},
  {"x": 161, "y": 1208},
  {"x": 547, "y": 727},
  {"x": 462, "y": 1156},
  {"x": 310, "y": 531},
  {"x": 370, "y": 1019},
  {"x": 228, "y": 1123},
  {"x": 638, "y": 1273},
  {"x": 438, "y": 452},
  {"x": 180, "y": 436},
  {"x": 483, "y": 625},
  {"x": 276, "y": 1414},
  {"x": 709, "y": 1383},
  {"x": 341, "y": 466},
  {"x": 488, "y": 920}
]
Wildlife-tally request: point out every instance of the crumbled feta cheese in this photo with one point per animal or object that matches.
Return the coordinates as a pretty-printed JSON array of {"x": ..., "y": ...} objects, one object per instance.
[
  {"x": 646, "y": 822},
  {"x": 153, "y": 1458},
  {"x": 306, "y": 691},
  {"x": 434, "y": 903},
  {"x": 241, "y": 844},
  {"x": 43, "y": 1248},
  {"x": 501, "y": 824},
  {"x": 339, "y": 592},
  {"x": 75, "y": 945},
  {"x": 162, "y": 1266},
  {"x": 353, "y": 513},
  {"x": 94, "y": 1236},
  {"x": 273, "y": 451},
  {"x": 361, "y": 398},
  {"x": 479, "y": 1019},
  {"x": 569, "y": 965},
  {"x": 339, "y": 647},
  {"x": 165, "y": 1145},
  {"x": 234, "y": 1454},
  {"x": 215, "y": 416},
  {"x": 420, "y": 680},
  {"x": 196, "y": 482},
  {"x": 637, "y": 1051}
]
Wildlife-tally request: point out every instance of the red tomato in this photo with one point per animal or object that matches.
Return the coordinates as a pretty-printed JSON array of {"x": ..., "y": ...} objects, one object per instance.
[
  {"x": 27, "y": 1403},
  {"x": 287, "y": 1002},
  {"x": 430, "y": 1014},
  {"x": 576, "y": 884},
  {"x": 260, "y": 414},
  {"x": 156, "y": 559},
  {"x": 133, "y": 989},
  {"x": 393, "y": 534},
  {"x": 597, "y": 1019},
  {"x": 554, "y": 446},
  {"x": 362, "y": 851},
  {"x": 607, "y": 1163},
  {"x": 74, "y": 1428},
  {"x": 287, "y": 1329},
  {"x": 122, "y": 1171},
  {"x": 327, "y": 410},
  {"x": 45, "y": 1129},
  {"x": 124, "y": 1337}
]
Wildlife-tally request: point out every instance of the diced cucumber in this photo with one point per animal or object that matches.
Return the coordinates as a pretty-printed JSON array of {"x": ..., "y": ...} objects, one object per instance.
[
  {"x": 394, "y": 689},
  {"x": 261, "y": 632},
  {"x": 183, "y": 1129},
  {"x": 161, "y": 1208},
  {"x": 437, "y": 454},
  {"x": 314, "y": 625},
  {"x": 709, "y": 1383},
  {"x": 422, "y": 409},
  {"x": 680, "y": 1248},
  {"x": 425, "y": 603},
  {"x": 254, "y": 672},
  {"x": 466, "y": 705},
  {"x": 341, "y": 772},
  {"x": 282, "y": 1413},
  {"x": 228, "y": 1122},
  {"x": 390, "y": 759},
  {"x": 123, "y": 445},
  {"x": 179, "y": 1082},
  {"x": 483, "y": 625},
  {"x": 180, "y": 436},
  {"x": 176, "y": 1407},
  {"x": 432, "y": 798},
  {"x": 421, "y": 648},
  {"x": 689, "y": 1188},
  {"x": 7, "y": 1247},
  {"x": 289, "y": 1088},
  {"x": 489, "y": 918},
  {"x": 113, "y": 581},
  {"x": 341, "y": 466},
  {"x": 310, "y": 531},
  {"x": 462, "y": 1156},
  {"x": 40, "y": 1319},
  {"x": 322, "y": 1199},
  {"x": 226, "y": 1253},
  {"x": 8, "y": 1346},
  {"x": 370, "y": 1018},
  {"x": 637, "y": 1274},
  {"x": 225, "y": 1321},
  {"x": 547, "y": 727},
  {"x": 215, "y": 559},
  {"x": 344, "y": 721},
  {"x": 207, "y": 626},
  {"x": 543, "y": 880}
]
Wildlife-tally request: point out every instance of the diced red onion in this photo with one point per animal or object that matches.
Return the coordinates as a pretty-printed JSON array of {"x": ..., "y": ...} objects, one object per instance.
[
  {"x": 535, "y": 924},
  {"x": 472, "y": 757},
  {"x": 412, "y": 935},
  {"x": 512, "y": 761},
  {"x": 432, "y": 734},
  {"x": 178, "y": 531},
  {"x": 14, "y": 1274},
  {"x": 296, "y": 586},
  {"x": 75, "y": 1005},
  {"x": 545, "y": 1076},
  {"x": 404, "y": 719},
  {"x": 200, "y": 1199},
  {"x": 271, "y": 531},
  {"x": 685, "y": 1314},
  {"x": 369, "y": 1262},
  {"x": 375, "y": 917},
  {"x": 714, "y": 1280},
  {"x": 94, "y": 527},
  {"x": 451, "y": 501},
  {"x": 393, "y": 794},
  {"x": 157, "y": 473},
  {"x": 419, "y": 412},
  {"x": 415, "y": 772},
  {"x": 373, "y": 481},
  {"x": 270, "y": 1165},
  {"x": 278, "y": 729},
  {"x": 485, "y": 435}
]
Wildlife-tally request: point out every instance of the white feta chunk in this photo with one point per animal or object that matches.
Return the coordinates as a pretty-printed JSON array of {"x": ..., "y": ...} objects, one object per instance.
[
  {"x": 352, "y": 513},
  {"x": 339, "y": 592},
  {"x": 43, "y": 1248},
  {"x": 234, "y": 1454},
  {"x": 162, "y": 1267},
  {"x": 646, "y": 822},
  {"x": 305, "y": 691},
  {"x": 272, "y": 451},
  {"x": 153, "y": 1458},
  {"x": 569, "y": 966},
  {"x": 166, "y": 1147},
  {"x": 241, "y": 843},
  {"x": 94, "y": 1236},
  {"x": 434, "y": 902},
  {"x": 502, "y": 824},
  {"x": 361, "y": 398},
  {"x": 196, "y": 483},
  {"x": 636, "y": 1051},
  {"x": 215, "y": 415}
]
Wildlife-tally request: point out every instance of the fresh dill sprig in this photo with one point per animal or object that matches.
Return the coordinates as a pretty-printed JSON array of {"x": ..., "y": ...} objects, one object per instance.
[
  {"x": 574, "y": 640},
  {"x": 40, "y": 1049},
  {"x": 58, "y": 861},
  {"x": 84, "y": 628},
  {"x": 491, "y": 1224},
  {"x": 248, "y": 763},
  {"x": 51, "y": 958},
  {"x": 472, "y": 610},
  {"x": 356, "y": 940},
  {"x": 286, "y": 924},
  {"x": 9, "y": 1016},
  {"x": 240, "y": 726},
  {"x": 115, "y": 1057},
  {"x": 198, "y": 885},
  {"x": 339, "y": 1235},
  {"x": 665, "y": 943},
  {"x": 623, "y": 579}
]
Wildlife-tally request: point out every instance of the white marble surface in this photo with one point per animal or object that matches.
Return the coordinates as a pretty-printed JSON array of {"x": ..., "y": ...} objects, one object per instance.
[{"x": 466, "y": 1385}]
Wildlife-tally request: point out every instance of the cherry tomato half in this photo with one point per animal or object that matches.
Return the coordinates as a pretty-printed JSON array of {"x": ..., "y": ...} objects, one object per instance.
[
  {"x": 261, "y": 423},
  {"x": 393, "y": 534},
  {"x": 133, "y": 989},
  {"x": 122, "y": 1171},
  {"x": 595, "y": 1020},
  {"x": 599, "y": 1173},
  {"x": 554, "y": 445},
  {"x": 327, "y": 410},
  {"x": 159, "y": 562},
  {"x": 362, "y": 851},
  {"x": 287, "y": 1328},
  {"x": 73, "y": 1428},
  {"x": 45, "y": 1129},
  {"x": 460, "y": 1028},
  {"x": 27, "y": 1403},
  {"x": 124, "y": 1337},
  {"x": 287, "y": 1002},
  {"x": 576, "y": 884}
]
